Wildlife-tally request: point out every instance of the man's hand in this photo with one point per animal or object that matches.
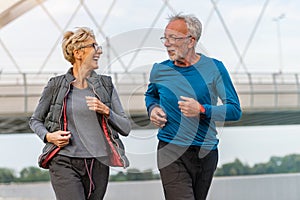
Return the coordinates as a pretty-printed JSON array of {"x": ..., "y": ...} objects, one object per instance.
[
  {"x": 158, "y": 117},
  {"x": 189, "y": 107}
]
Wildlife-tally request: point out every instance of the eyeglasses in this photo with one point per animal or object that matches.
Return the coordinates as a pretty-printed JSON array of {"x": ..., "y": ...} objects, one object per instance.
[
  {"x": 172, "y": 39},
  {"x": 94, "y": 45}
]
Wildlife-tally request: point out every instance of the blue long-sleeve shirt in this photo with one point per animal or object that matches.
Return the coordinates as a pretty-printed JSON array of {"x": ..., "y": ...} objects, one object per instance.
[{"x": 205, "y": 81}]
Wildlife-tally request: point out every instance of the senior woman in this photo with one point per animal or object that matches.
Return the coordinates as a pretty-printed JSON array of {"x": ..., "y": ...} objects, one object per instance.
[{"x": 75, "y": 112}]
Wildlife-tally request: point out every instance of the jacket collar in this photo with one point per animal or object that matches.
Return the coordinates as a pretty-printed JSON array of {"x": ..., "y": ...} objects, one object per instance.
[
  {"x": 70, "y": 77},
  {"x": 93, "y": 78}
]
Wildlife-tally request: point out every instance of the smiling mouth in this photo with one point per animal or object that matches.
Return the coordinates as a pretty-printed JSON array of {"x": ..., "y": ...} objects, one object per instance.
[{"x": 96, "y": 58}]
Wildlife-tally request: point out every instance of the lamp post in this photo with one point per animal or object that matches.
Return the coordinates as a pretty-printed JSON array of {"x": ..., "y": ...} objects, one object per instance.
[{"x": 277, "y": 20}]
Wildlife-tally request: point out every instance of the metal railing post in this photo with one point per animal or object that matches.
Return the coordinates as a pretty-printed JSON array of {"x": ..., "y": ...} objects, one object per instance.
[
  {"x": 25, "y": 92},
  {"x": 298, "y": 88},
  {"x": 116, "y": 79},
  {"x": 275, "y": 90},
  {"x": 251, "y": 90}
]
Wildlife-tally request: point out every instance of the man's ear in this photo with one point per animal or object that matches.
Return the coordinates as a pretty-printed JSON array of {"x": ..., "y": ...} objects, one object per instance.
[{"x": 192, "y": 42}]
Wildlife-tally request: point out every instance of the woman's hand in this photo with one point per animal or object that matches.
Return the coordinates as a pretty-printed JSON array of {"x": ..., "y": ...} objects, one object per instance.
[
  {"x": 59, "y": 138},
  {"x": 95, "y": 104}
]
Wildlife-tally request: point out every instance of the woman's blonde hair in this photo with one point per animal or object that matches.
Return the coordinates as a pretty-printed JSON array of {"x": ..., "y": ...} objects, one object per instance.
[{"x": 74, "y": 40}]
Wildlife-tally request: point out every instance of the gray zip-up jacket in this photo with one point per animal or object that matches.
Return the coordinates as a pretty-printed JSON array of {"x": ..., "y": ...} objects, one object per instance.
[{"x": 48, "y": 115}]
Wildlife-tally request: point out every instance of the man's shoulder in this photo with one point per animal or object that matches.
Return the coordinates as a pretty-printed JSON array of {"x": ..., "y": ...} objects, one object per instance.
[
  {"x": 165, "y": 62},
  {"x": 159, "y": 65},
  {"x": 214, "y": 61},
  {"x": 162, "y": 66}
]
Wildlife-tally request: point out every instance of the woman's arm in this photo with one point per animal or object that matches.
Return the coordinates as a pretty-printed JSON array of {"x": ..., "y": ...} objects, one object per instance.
[{"x": 117, "y": 117}]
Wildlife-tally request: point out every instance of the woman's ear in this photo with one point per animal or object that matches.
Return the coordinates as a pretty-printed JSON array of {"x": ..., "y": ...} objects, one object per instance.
[{"x": 77, "y": 54}]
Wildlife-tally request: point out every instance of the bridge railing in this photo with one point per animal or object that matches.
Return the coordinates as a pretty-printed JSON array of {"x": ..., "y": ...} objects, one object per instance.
[
  {"x": 273, "y": 91},
  {"x": 19, "y": 93}
]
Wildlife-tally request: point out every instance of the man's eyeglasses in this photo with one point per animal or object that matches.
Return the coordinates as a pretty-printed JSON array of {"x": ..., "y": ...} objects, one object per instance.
[
  {"x": 94, "y": 45},
  {"x": 172, "y": 39}
]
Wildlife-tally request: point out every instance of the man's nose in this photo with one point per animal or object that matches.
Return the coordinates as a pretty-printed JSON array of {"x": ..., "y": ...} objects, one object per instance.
[{"x": 167, "y": 43}]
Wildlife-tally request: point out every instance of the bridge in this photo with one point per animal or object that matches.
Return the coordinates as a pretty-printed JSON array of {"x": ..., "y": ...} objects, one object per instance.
[
  {"x": 246, "y": 36},
  {"x": 265, "y": 98}
]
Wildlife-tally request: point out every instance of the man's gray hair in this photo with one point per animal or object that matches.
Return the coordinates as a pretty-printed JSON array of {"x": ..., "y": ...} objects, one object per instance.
[{"x": 193, "y": 24}]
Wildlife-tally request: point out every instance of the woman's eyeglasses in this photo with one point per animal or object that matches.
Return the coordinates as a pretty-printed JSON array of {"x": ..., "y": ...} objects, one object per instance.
[{"x": 94, "y": 45}]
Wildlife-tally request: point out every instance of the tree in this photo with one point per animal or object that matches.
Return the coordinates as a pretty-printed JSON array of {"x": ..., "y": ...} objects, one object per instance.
[
  {"x": 291, "y": 163},
  {"x": 6, "y": 175},
  {"x": 120, "y": 176},
  {"x": 233, "y": 169},
  {"x": 33, "y": 174},
  {"x": 134, "y": 174},
  {"x": 286, "y": 164},
  {"x": 148, "y": 174}
]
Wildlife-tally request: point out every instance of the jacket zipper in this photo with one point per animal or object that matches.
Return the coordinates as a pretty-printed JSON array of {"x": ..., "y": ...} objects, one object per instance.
[
  {"x": 63, "y": 105},
  {"x": 123, "y": 161}
]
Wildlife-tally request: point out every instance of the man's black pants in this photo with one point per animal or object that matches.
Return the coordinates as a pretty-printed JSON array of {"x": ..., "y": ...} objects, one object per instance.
[{"x": 186, "y": 172}]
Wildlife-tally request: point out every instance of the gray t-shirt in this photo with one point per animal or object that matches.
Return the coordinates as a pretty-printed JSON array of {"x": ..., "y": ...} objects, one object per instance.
[{"x": 87, "y": 137}]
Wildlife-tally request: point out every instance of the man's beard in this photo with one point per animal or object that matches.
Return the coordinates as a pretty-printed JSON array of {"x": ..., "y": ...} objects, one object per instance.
[{"x": 177, "y": 56}]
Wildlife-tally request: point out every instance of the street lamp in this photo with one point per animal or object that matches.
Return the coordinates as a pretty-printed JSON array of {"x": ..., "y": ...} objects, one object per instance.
[{"x": 277, "y": 20}]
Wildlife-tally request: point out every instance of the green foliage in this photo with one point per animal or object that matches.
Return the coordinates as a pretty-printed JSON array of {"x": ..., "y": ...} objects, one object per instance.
[
  {"x": 30, "y": 174},
  {"x": 133, "y": 174},
  {"x": 233, "y": 169},
  {"x": 6, "y": 175},
  {"x": 33, "y": 174},
  {"x": 286, "y": 164},
  {"x": 120, "y": 176}
]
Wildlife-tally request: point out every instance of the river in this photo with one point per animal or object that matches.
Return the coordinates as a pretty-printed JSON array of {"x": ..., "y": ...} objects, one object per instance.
[{"x": 250, "y": 144}]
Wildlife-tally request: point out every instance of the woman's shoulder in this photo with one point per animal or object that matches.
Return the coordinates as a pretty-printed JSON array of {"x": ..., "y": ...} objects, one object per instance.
[{"x": 57, "y": 80}]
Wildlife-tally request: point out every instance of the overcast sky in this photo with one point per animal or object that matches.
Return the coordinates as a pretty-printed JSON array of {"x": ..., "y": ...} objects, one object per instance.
[{"x": 31, "y": 43}]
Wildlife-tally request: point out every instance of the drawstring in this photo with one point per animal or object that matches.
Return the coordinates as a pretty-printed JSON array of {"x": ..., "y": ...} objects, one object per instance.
[{"x": 89, "y": 171}]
